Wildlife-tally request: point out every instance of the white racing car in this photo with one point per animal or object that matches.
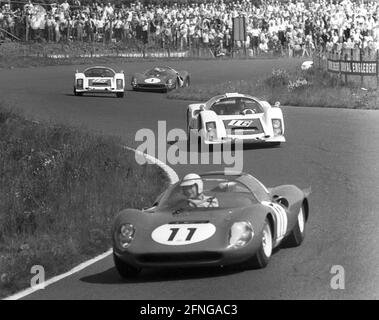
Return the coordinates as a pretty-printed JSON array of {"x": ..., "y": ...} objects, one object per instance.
[
  {"x": 235, "y": 116},
  {"x": 99, "y": 80}
]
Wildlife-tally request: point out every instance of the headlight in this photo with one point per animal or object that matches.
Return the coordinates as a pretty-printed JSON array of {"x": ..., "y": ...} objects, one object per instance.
[
  {"x": 79, "y": 83},
  {"x": 210, "y": 126},
  {"x": 211, "y": 130},
  {"x": 119, "y": 84},
  {"x": 277, "y": 126},
  {"x": 125, "y": 235},
  {"x": 240, "y": 234}
]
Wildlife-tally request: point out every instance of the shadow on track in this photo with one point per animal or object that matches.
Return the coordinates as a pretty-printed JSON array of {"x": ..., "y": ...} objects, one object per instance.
[
  {"x": 93, "y": 95},
  {"x": 111, "y": 275},
  {"x": 147, "y": 275}
]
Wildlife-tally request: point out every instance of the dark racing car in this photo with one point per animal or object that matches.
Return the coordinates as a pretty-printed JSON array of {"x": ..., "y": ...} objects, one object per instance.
[
  {"x": 160, "y": 79},
  {"x": 210, "y": 220}
]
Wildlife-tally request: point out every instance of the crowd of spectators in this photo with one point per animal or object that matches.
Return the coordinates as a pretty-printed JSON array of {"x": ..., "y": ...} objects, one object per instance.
[{"x": 281, "y": 27}]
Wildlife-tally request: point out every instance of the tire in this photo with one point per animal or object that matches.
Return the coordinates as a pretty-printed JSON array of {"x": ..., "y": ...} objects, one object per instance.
[
  {"x": 188, "y": 139},
  {"x": 199, "y": 145},
  {"x": 77, "y": 93},
  {"x": 125, "y": 270},
  {"x": 275, "y": 144},
  {"x": 262, "y": 256},
  {"x": 120, "y": 94},
  {"x": 297, "y": 235},
  {"x": 187, "y": 82}
]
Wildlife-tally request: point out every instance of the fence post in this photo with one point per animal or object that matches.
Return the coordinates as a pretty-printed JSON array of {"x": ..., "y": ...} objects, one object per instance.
[
  {"x": 345, "y": 59},
  {"x": 339, "y": 66},
  {"x": 360, "y": 62}
]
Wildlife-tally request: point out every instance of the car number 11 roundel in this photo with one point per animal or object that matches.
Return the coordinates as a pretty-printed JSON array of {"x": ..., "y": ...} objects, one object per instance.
[{"x": 183, "y": 234}]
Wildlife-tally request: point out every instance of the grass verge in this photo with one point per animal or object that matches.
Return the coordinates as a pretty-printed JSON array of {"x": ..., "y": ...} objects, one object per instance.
[
  {"x": 60, "y": 189},
  {"x": 312, "y": 88}
]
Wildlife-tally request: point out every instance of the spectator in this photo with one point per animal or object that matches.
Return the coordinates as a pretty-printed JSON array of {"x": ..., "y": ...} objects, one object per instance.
[{"x": 280, "y": 27}]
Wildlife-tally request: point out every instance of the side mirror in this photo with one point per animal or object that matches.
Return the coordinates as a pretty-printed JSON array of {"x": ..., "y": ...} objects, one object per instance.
[
  {"x": 277, "y": 104},
  {"x": 202, "y": 107}
]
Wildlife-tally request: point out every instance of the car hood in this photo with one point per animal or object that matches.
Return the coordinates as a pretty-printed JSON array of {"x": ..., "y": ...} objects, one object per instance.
[
  {"x": 154, "y": 217},
  {"x": 152, "y": 79},
  {"x": 154, "y": 228}
]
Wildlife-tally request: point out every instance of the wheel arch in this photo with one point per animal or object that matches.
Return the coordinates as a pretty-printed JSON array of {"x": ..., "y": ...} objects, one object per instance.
[
  {"x": 271, "y": 222},
  {"x": 305, "y": 205}
]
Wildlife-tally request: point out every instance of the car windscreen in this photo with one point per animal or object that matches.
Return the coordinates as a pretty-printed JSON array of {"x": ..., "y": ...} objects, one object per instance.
[
  {"x": 236, "y": 106},
  {"x": 216, "y": 193},
  {"x": 157, "y": 72},
  {"x": 99, "y": 73}
]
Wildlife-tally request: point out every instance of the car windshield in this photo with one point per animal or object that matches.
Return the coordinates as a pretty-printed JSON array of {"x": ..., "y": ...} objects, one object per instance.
[
  {"x": 218, "y": 192},
  {"x": 157, "y": 72},
  {"x": 99, "y": 73},
  {"x": 236, "y": 106}
]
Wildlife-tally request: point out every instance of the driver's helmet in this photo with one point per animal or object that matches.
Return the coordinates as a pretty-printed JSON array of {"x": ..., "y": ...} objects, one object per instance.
[{"x": 193, "y": 179}]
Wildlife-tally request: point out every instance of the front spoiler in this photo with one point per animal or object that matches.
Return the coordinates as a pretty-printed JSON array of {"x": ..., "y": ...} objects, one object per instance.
[
  {"x": 247, "y": 140},
  {"x": 99, "y": 90},
  {"x": 152, "y": 88},
  {"x": 219, "y": 257}
]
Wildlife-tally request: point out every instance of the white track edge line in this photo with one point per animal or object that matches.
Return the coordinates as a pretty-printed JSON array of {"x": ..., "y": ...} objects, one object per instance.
[{"x": 173, "y": 177}]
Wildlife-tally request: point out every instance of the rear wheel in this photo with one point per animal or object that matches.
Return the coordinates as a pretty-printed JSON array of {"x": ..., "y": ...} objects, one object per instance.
[
  {"x": 125, "y": 270},
  {"x": 297, "y": 235},
  {"x": 120, "y": 94},
  {"x": 263, "y": 255}
]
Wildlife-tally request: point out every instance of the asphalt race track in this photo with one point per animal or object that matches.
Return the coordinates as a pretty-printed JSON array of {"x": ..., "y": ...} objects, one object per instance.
[{"x": 333, "y": 151}]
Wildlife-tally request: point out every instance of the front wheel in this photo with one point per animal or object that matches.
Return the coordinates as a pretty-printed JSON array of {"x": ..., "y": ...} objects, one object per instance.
[
  {"x": 275, "y": 144},
  {"x": 262, "y": 256},
  {"x": 125, "y": 270},
  {"x": 297, "y": 235},
  {"x": 77, "y": 93}
]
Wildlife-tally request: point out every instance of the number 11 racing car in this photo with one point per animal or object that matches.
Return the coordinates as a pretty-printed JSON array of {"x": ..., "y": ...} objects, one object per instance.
[
  {"x": 234, "y": 116},
  {"x": 226, "y": 219},
  {"x": 161, "y": 79}
]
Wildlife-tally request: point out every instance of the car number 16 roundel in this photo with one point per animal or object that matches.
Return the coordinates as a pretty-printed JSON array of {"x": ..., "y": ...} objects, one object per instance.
[{"x": 183, "y": 234}]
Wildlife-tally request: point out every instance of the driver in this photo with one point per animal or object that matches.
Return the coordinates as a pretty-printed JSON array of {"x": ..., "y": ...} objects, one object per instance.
[
  {"x": 192, "y": 188},
  {"x": 242, "y": 108}
]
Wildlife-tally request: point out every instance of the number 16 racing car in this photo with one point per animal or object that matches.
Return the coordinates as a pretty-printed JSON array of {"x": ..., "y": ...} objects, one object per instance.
[
  {"x": 99, "y": 80},
  {"x": 234, "y": 116},
  {"x": 213, "y": 219}
]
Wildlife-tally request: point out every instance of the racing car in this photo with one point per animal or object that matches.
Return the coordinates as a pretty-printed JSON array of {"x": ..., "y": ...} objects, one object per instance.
[
  {"x": 99, "y": 80},
  {"x": 160, "y": 79},
  {"x": 238, "y": 221},
  {"x": 235, "y": 116}
]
